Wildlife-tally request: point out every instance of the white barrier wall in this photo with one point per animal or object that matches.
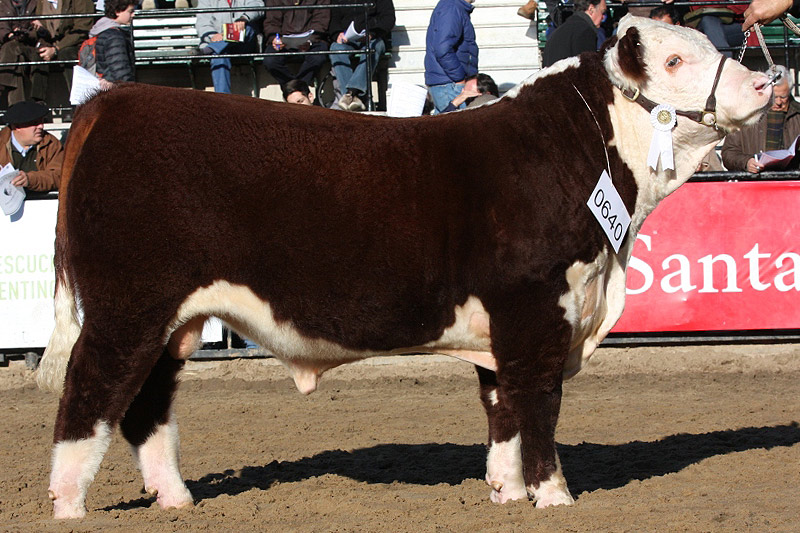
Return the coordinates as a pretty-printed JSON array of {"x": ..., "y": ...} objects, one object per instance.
[{"x": 27, "y": 278}]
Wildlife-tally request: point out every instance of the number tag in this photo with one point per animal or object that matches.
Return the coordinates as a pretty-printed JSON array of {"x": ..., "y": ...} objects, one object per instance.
[{"x": 609, "y": 210}]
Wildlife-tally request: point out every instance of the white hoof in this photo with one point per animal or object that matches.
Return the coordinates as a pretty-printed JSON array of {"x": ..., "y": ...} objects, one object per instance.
[
  {"x": 502, "y": 493},
  {"x": 549, "y": 496},
  {"x": 179, "y": 500},
  {"x": 63, "y": 509}
]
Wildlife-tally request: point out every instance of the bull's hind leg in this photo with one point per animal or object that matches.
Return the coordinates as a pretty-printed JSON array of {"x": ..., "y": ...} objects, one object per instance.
[
  {"x": 151, "y": 429},
  {"x": 504, "y": 463},
  {"x": 530, "y": 340},
  {"x": 101, "y": 382}
]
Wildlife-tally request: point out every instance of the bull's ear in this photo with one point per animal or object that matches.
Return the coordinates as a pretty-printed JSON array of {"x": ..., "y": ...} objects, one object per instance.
[{"x": 630, "y": 58}]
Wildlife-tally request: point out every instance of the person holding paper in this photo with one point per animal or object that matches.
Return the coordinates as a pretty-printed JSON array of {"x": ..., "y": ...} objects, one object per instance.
[
  {"x": 212, "y": 40},
  {"x": 451, "y": 52},
  {"x": 46, "y": 40},
  {"x": 776, "y": 130},
  {"x": 348, "y": 31},
  {"x": 36, "y": 154},
  {"x": 114, "y": 45},
  {"x": 298, "y": 30}
]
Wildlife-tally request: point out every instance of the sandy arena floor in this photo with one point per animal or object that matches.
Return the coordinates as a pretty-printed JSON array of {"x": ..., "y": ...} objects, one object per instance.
[{"x": 651, "y": 439}]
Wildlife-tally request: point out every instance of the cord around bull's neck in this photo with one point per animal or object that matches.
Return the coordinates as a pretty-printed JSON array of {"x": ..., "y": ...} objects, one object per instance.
[{"x": 605, "y": 149}]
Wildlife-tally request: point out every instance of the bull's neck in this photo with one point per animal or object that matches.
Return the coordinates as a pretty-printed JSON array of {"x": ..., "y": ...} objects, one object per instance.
[{"x": 633, "y": 133}]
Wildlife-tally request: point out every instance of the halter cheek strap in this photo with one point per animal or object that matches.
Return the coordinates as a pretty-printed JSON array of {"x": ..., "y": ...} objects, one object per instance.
[{"x": 707, "y": 117}]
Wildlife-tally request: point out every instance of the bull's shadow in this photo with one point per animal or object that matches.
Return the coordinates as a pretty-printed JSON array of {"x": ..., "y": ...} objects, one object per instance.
[{"x": 587, "y": 466}]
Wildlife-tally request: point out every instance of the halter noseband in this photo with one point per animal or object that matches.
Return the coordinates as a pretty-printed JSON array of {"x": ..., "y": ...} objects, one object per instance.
[{"x": 707, "y": 117}]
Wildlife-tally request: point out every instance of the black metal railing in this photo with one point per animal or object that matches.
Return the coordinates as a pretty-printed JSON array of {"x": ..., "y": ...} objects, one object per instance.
[{"x": 179, "y": 12}]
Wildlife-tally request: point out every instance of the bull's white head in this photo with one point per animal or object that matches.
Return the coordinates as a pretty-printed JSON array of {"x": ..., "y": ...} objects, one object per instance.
[{"x": 677, "y": 66}]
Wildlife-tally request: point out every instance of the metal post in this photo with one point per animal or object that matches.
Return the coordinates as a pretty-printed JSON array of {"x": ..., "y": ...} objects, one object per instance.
[{"x": 368, "y": 49}]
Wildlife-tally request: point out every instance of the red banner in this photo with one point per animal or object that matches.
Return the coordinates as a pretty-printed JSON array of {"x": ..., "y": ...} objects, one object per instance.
[{"x": 717, "y": 256}]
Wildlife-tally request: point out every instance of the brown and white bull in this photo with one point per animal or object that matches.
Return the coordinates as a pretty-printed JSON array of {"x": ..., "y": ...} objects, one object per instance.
[{"x": 330, "y": 237}]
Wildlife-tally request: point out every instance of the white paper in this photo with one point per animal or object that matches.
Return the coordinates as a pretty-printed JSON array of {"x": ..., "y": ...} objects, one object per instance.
[
  {"x": 609, "y": 210},
  {"x": 84, "y": 85},
  {"x": 296, "y": 40},
  {"x": 777, "y": 158},
  {"x": 352, "y": 35},
  {"x": 11, "y": 196},
  {"x": 406, "y": 99}
]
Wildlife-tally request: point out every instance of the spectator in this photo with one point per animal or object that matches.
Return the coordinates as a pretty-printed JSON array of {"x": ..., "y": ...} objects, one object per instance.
[
  {"x": 642, "y": 11},
  {"x": 19, "y": 44},
  {"x": 451, "y": 52},
  {"x": 114, "y": 45},
  {"x": 722, "y": 25},
  {"x": 666, "y": 14},
  {"x": 212, "y": 40},
  {"x": 35, "y": 153},
  {"x": 292, "y": 22},
  {"x": 477, "y": 91},
  {"x": 297, "y": 92},
  {"x": 53, "y": 39},
  {"x": 578, "y": 34},
  {"x": 351, "y": 69},
  {"x": 776, "y": 130}
]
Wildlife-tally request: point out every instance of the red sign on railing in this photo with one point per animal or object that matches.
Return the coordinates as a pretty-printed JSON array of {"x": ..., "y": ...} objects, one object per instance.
[{"x": 718, "y": 256}]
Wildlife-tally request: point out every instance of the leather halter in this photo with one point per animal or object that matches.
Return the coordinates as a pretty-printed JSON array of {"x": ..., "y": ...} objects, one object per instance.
[{"x": 707, "y": 117}]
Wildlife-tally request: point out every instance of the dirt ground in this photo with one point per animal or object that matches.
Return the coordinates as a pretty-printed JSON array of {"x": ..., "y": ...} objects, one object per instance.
[{"x": 651, "y": 439}]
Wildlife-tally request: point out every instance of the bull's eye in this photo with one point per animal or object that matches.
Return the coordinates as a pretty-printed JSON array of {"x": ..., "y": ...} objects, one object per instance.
[{"x": 673, "y": 61}]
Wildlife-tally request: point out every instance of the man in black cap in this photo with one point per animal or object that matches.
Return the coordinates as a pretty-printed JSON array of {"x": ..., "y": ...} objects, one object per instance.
[{"x": 31, "y": 150}]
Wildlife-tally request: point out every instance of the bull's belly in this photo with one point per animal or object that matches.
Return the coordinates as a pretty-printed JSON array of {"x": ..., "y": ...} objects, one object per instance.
[{"x": 468, "y": 338}]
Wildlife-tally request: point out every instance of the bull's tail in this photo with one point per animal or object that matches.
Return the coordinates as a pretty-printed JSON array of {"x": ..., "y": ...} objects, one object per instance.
[{"x": 53, "y": 366}]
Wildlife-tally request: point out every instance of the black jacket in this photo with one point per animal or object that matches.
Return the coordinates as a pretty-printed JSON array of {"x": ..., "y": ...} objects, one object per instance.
[
  {"x": 114, "y": 54},
  {"x": 577, "y": 35},
  {"x": 380, "y": 17}
]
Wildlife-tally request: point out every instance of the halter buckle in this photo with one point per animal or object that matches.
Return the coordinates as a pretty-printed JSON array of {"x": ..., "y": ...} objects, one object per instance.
[
  {"x": 631, "y": 98},
  {"x": 709, "y": 118}
]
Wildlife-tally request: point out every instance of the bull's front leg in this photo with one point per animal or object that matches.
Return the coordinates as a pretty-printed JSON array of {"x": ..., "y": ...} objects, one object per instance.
[{"x": 523, "y": 399}]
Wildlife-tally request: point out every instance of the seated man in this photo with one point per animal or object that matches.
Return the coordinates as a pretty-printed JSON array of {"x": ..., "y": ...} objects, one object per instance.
[
  {"x": 278, "y": 23},
  {"x": 775, "y": 131},
  {"x": 721, "y": 24},
  {"x": 212, "y": 41},
  {"x": 47, "y": 40},
  {"x": 35, "y": 153},
  {"x": 297, "y": 92},
  {"x": 577, "y": 35},
  {"x": 352, "y": 79}
]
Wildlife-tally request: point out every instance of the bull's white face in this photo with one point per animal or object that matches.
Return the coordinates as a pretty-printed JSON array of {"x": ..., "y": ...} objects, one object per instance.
[{"x": 680, "y": 65}]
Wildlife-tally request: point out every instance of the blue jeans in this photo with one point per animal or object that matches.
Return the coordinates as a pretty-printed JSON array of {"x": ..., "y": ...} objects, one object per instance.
[
  {"x": 221, "y": 66},
  {"x": 444, "y": 94},
  {"x": 721, "y": 35},
  {"x": 350, "y": 78}
]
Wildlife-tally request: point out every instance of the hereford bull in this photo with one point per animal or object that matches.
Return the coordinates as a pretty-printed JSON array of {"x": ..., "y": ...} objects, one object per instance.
[{"x": 330, "y": 237}]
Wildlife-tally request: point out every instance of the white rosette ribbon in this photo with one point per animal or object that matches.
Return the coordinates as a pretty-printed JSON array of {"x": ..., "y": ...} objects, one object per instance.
[{"x": 663, "y": 119}]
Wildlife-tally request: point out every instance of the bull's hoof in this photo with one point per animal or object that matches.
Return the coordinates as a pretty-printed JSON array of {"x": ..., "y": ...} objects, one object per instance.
[
  {"x": 63, "y": 510},
  {"x": 554, "y": 498},
  {"x": 502, "y": 493},
  {"x": 180, "y": 500}
]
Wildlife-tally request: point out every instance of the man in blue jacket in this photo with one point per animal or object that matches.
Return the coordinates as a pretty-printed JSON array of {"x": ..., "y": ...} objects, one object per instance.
[{"x": 451, "y": 53}]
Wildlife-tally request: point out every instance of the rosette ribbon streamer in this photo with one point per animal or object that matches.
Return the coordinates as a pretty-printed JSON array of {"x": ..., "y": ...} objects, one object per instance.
[{"x": 663, "y": 118}]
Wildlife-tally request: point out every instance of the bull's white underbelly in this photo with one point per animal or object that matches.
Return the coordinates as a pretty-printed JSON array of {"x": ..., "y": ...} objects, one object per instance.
[{"x": 307, "y": 358}]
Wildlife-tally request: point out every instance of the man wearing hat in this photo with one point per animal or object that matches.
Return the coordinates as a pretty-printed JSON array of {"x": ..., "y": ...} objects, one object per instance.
[{"x": 31, "y": 150}]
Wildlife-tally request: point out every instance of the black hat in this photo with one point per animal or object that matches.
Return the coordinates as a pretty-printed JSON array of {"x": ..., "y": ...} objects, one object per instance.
[{"x": 25, "y": 112}]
